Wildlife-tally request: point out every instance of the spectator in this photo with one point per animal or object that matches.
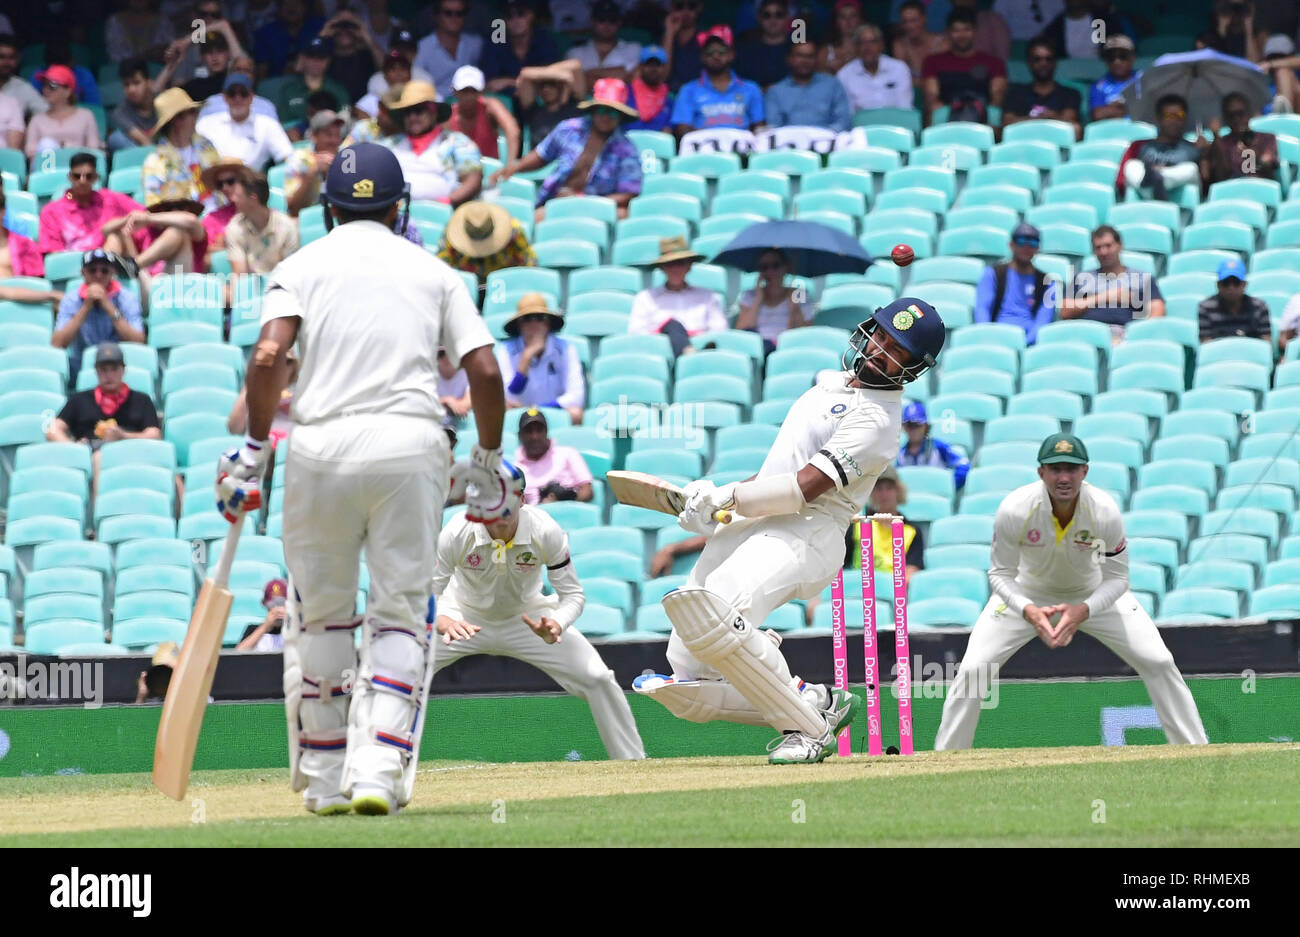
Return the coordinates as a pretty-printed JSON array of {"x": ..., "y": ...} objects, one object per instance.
[
  {"x": 1017, "y": 293},
  {"x": 1232, "y": 31},
  {"x": 220, "y": 179},
  {"x": 841, "y": 47},
  {"x": 291, "y": 100},
  {"x": 449, "y": 46},
  {"x": 19, "y": 256},
  {"x": 1106, "y": 99},
  {"x": 525, "y": 45},
  {"x": 376, "y": 129},
  {"x": 913, "y": 43},
  {"x": 1241, "y": 151},
  {"x": 13, "y": 126},
  {"x": 676, "y": 309},
  {"x": 277, "y": 43},
  {"x": 1232, "y": 312},
  {"x": 482, "y": 237},
  {"x": 1113, "y": 293},
  {"x": 63, "y": 124},
  {"x": 356, "y": 53},
  {"x": 1290, "y": 323},
  {"x": 807, "y": 97},
  {"x": 681, "y": 43},
  {"x": 396, "y": 70},
  {"x": 607, "y": 56},
  {"x": 763, "y": 60},
  {"x": 182, "y": 59},
  {"x": 266, "y": 636},
  {"x": 665, "y": 558},
  {"x": 540, "y": 369},
  {"x": 216, "y": 104},
  {"x": 307, "y": 166},
  {"x": 74, "y": 220},
  {"x": 1153, "y": 167},
  {"x": 886, "y": 498},
  {"x": 153, "y": 683},
  {"x": 1027, "y": 18},
  {"x": 439, "y": 165},
  {"x": 239, "y": 133},
  {"x": 773, "y": 307},
  {"x": 173, "y": 171},
  {"x": 216, "y": 55},
  {"x": 453, "y": 388},
  {"x": 169, "y": 234},
  {"x": 374, "y": 16},
  {"x": 992, "y": 35},
  {"x": 482, "y": 118},
  {"x": 546, "y": 96},
  {"x": 923, "y": 449},
  {"x": 58, "y": 51},
  {"x": 551, "y": 472},
  {"x": 1280, "y": 62},
  {"x": 13, "y": 84},
  {"x": 874, "y": 79},
  {"x": 282, "y": 421},
  {"x": 98, "y": 311},
  {"x": 649, "y": 92},
  {"x": 258, "y": 237},
  {"x": 136, "y": 32},
  {"x": 1043, "y": 98},
  {"x": 1071, "y": 33},
  {"x": 592, "y": 155},
  {"x": 134, "y": 116},
  {"x": 965, "y": 81},
  {"x": 719, "y": 97}
]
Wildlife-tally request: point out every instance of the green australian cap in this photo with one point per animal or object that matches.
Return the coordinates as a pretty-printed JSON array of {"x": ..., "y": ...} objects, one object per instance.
[{"x": 1062, "y": 447}]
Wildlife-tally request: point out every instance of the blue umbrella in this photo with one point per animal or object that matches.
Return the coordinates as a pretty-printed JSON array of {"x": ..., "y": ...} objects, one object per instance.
[{"x": 814, "y": 249}]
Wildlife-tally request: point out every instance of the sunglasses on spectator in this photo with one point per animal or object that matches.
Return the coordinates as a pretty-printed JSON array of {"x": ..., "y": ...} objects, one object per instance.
[
  {"x": 1231, "y": 282},
  {"x": 99, "y": 270},
  {"x": 1117, "y": 54},
  {"x": 91, "y": 174},
  {"x": 773, "y": 14},
  {"x": 715, "y": 52},
  {"x": 457, "y": 13},
  {"x": 1042, "y": 58},
  {"x": 1234, "y": 114},
  {"x": 1025, "y": 242},
  {"x": 54, "y": 84},
  {"x": 238, "y": 92},
  {"x": 770, "y": 265},
  {"x": 228, "y": 180}
]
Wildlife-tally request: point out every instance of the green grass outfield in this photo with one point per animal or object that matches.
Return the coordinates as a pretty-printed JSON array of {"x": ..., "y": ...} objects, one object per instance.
[{"x": 1219, "y": 795}]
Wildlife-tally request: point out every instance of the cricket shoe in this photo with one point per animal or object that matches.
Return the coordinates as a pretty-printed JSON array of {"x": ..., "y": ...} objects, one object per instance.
[
  {"x": 796, "y": 748},
  {"x": 329, "y": 806},
  {"x": 373, "y": 800},
  {"x": 842, "y": 710},
  {"x": 799, "y": 748}
]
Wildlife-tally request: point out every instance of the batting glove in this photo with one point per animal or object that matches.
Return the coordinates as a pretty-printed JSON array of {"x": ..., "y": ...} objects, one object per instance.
[{"x": 239, "y": 479}]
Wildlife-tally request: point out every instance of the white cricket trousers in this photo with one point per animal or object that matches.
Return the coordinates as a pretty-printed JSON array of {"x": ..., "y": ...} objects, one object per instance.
[
  {"x": 374, "y": 482},
  {"x": 1125, "y": 628},
  {"x": 572, "y": 663}
]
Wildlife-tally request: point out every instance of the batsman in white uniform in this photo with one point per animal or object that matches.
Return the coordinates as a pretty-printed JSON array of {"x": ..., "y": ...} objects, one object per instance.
[
  {"x": 1059, "y": 553},
  {"x": 789, "y": 541},
  {"x": 368, "y": 468},
  {"x": 488, "y": 600}
]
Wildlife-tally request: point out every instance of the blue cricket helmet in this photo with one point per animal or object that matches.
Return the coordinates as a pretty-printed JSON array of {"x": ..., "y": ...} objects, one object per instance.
[
  {"x": 364, "y": 177},
  {"x": 915, "y": 325}
]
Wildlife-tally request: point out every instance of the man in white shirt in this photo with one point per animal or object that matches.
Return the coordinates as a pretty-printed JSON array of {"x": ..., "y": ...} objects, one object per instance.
[
  {"x": 607, "y": 56},
  {"x": 487, "y": 599},
  {"x": 216, "y": 104},
  {"x": 368, "y": 469},
  {"x": 14, "y": 84},
  {"x": 787, "y": 541},
  {"x": 13, "y": 127},
  {"x": 440, "y": 164},
  {"x": 396, "y": 70},
  {"x": 239, "y": 133},
  {"x": 874, "y": 79},
  {"x": 676, "y": 309},
  {"x": 1059, "y": 552}
]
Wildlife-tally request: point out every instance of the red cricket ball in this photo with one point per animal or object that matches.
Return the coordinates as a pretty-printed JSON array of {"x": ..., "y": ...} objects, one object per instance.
[{"x": 902, "y": 255}]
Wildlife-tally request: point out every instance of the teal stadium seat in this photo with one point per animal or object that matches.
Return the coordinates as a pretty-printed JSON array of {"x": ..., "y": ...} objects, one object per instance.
[
  {"x": 1196, "y": 603},
  {"x": 1278, "y": 601},
  {"x": 674, "y": 183}
]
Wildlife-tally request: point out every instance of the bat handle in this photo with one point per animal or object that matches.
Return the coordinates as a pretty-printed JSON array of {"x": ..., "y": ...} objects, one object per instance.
[{"x": 722, "y": 517}]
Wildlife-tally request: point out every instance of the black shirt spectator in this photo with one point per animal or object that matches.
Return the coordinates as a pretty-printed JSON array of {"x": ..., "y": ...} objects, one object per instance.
[
  {"x": 1232, "y": 312},
  {"x": 501, "y": 63},
  {"x": 762, "y": 59},
  {"x": 83, "y": 412},
  {"x": 1023, "y": 100},
  {"x": 1043, "y": 98}
]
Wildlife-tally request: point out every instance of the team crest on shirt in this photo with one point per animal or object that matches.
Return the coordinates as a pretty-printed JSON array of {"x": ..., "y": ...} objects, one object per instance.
[
  {"x": 1083, "y": 540},
  {"x": 1034, "y": 535},
  {"x": 839, "y": 408},
  {"x": 525, "y": 561},
  {"x": 473, "y": 561}
]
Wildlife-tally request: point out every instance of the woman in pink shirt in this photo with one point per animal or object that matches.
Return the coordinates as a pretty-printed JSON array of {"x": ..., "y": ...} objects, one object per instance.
[
  {"x": 64, "y": 124},
  {"x": 18, "y": 255}
]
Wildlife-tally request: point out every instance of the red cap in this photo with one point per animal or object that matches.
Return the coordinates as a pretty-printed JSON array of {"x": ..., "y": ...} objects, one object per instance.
[
  {"x": 275, "y": 589},
  {"x": 721, "y": 31},
  {"x": 59, "y": 74},
  {"x": 856, "y": 4}
]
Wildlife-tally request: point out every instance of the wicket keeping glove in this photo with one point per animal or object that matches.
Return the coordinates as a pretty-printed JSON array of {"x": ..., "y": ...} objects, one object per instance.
[
  {"x": 239, "y": 479},
  {"x": 486, "y": 486}
]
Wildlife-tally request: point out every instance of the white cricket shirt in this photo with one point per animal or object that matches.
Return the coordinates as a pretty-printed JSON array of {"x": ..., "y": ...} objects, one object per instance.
[
  {"x": 1088, "y": 562},
  {"x": 481, "y": 580},
  {"x": 374, "y": 309}
]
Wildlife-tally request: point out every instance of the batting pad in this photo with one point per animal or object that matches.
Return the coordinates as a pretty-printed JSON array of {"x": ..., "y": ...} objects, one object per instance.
[
  {"x": 703, "y": 701},
  {"x": 721, "y": 637}
]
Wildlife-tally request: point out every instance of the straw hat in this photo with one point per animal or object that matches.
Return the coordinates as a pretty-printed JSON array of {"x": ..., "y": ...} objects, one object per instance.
[
  {"x": 479, "y": 229},
  {"x": 209, "y": 175},
  {"x": 415, "y": 93},
  {"x": 533, "y": 304},
  {"x": 611, "y": 93},
  {"x": 674, "y": 248},
  {"x": 169, "y": 104}
]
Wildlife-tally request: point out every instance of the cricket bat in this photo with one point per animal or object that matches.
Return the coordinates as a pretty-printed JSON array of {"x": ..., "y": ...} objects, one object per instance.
[
  {"x": 643, "y": 490},
  {"x": 187, "y": 693}
]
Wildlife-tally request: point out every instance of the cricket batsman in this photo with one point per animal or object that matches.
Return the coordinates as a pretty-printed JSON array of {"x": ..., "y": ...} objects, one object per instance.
[
  {"x": 1059, "y": 566},
  {"x": 789, "y": 541},
  {"x": 487, "y": 598},
  {"x": 368, "y": 468}
]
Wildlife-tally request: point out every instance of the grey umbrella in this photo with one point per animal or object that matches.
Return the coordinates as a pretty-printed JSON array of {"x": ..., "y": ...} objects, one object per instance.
[{"x": 1203, "y": 78}]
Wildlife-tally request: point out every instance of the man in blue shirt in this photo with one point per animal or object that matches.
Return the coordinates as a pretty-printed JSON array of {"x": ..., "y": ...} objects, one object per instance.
[
  {"x": 923, "y": 449},
  {"x": 1106, "y": 99},
  {"x": 1017, "y": 293},
  {"x": 720, "y": 98},
  {"x": 649, "y": 93},
  {"x": 807, "y": 98},
  {"x": 100, "y": 310}
]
